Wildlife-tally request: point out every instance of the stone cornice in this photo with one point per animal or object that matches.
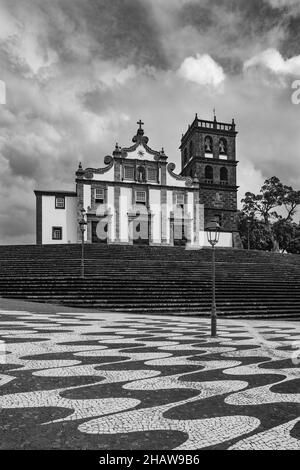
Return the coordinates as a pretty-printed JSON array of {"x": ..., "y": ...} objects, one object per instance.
[
  {"x": 218, "y": 187},
  {"x": 129, "y": 184},
  {"x": 214, "y": 161},
  {"x": 55, "y": 193}
]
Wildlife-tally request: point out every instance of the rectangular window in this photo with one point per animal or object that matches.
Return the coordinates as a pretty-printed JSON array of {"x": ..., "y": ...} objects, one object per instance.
[
  {"x": 152, "y": 174},
  {"x": 56, "y": 233},
  {"x": 99, "y": 195},
  {"x": 128, "y": 172},
  {"x": 140, "y": 197},
  {"x": 179, "y": 199},
  {"x": 59, "y": 202}
]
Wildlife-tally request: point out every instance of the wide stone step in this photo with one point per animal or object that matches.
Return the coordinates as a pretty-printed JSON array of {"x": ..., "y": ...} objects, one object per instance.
[
  {"x": 161, "y": 294},
  {"x": 153, "y": 279}
]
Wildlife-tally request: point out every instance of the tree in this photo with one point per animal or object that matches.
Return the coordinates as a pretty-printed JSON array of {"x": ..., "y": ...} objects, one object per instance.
[
  {"x": 259, "y": 236},
  {"x": 290, "y": 200},
  {"x": 273, "y": 195},
  {"x": 294, "y": 246},
  {"x": 288, "y": 235}
]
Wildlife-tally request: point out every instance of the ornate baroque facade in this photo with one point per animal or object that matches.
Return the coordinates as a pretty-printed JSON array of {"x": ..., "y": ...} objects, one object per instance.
[{"x": 137, "y": 198}]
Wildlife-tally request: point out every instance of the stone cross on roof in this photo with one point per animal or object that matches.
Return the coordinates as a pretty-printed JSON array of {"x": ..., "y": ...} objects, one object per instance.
[{"x": 140, "y": 123}]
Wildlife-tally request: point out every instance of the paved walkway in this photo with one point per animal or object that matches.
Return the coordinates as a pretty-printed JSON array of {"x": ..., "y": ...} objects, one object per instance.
[{"x": 76, "y": 380}]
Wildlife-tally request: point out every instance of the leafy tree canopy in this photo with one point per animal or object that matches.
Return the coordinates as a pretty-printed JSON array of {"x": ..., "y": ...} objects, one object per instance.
[{"x": 270, "y": 229}]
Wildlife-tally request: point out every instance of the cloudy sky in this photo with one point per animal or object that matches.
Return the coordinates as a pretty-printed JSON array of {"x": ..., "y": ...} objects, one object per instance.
[{"x": 80, "y": 73}]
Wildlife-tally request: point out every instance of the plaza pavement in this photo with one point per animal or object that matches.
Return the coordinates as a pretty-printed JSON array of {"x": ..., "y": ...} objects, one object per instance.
[{"x": 87, "y": 380}]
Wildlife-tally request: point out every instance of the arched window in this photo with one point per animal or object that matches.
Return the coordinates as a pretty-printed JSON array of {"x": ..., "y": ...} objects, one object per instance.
[
  {"x": 224, "y": 175},
  {"x": 191, "y": 149},
  {"x": 223, "y": 146},
  {"x": 185, "y": 159},
  {"x": 208, "y": 144},
  {"x": 209, "y": 173}
]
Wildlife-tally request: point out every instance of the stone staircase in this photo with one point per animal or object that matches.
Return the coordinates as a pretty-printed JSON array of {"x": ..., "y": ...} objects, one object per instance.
[{"x": 153, "y": 279}]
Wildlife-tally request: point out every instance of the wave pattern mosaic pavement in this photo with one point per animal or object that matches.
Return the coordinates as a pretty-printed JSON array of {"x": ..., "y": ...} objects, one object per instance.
[{"x": 113, "y": 381}]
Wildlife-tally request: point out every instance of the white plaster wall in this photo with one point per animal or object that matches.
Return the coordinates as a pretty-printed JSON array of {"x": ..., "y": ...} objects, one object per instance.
[
  {"x": 190, "y": 212},
  {"x": 171, "y": 181},
  {"x": 110, "y": 205},
  {"x": 140, "y": 153},
  {"x": 154, "y": 201},
  {"x": 108, "y": 176},
  {"x": 225, "y": 240},
  {"x": 65, "y": 218},
  {"x": 125, "y": 204},
  {"x": 87, "y": 196},
  {"x": 71, "y": 212},
  {"x": 169, "y": 209}
]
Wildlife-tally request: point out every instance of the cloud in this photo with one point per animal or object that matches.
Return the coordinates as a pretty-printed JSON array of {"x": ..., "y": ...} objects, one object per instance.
[
  {"x": 272, "y": 60},
  {"x": 283, "y": 3},
  {"x": 2, "y": 92},
  {"x": 80, "y": 74},
  {"x": 202, "y": 70}
]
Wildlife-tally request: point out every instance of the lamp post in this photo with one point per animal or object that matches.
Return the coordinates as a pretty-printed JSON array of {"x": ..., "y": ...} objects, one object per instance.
[
  {"x": 213, "y": 235},
  {"x": 82, "y": 224}
]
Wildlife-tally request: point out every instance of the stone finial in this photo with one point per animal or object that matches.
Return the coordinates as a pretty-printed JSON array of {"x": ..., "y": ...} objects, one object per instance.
[
  {"x": 80, "y": 171},
  {"x": 117, "y": 150}
]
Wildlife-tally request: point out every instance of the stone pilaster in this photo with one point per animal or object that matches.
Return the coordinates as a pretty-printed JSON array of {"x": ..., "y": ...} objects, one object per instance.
[
  {"x": 164, "y": 216},
  {"x": 163, "y": 178},
  {"x": 39, "y": 220},
  {"x": 117, "y": 194},
  {"x": 80, "y": 205}
]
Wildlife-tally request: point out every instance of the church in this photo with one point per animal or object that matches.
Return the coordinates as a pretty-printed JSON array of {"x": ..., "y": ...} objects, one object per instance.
[{"x": 137, "y": 197}]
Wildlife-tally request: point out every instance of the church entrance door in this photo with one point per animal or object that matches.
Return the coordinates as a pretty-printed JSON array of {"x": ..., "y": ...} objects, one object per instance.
[
  {"x": 179, "y": 232},
  {"x": 103, "y": 232},
  {"x": 141, "y": 232}
]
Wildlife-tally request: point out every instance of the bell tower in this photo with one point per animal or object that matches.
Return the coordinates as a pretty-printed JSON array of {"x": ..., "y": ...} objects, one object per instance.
[{"x": 208, "y": 152}]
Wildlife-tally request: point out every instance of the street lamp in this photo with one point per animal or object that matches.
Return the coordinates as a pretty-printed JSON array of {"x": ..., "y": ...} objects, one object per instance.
[
  {"x": 213, "y": 235},
  {"x": 82, "y": 224}
]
